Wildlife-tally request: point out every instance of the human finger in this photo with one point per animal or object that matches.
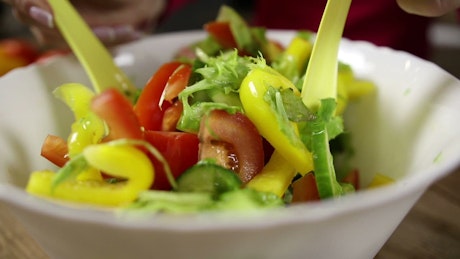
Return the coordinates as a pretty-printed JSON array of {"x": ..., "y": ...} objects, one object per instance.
[{"x": 431, "y": 8}]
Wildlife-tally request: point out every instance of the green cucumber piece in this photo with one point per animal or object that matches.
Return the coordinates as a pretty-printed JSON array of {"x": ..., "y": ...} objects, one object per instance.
[
  {"x": 219, "y": 96},
  {"x": 208, "y": 177}
]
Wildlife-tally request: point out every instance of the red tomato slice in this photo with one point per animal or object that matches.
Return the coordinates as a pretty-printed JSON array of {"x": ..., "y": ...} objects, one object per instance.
[
  {"x": 222, "y": 33},
  {"x": 177, "y": 82},
  {"x": 352, "y": 178},
  {"x": 148, "y": 109},
  {"x": 19, "y": 48},
  {"x": 172, "y": 116},
  {"x": 239, "y": 135},
  {"x": 304, "y": 189},
  {"x": 117, "y": 111},
  {"x": 15, "y": 53},
  {"x": 54, "y": 149},
  {"x": 180, "y": 150}
]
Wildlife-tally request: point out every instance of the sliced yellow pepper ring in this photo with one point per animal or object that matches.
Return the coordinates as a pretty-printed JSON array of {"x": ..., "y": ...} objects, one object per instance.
[
  {"x": 252, "y": 91},
  {"x": 88, "y": 128},
  {"x": 121, "y": 161},
  {"x": 76, "y": 96},
  {"x": 275, "y": 177}
]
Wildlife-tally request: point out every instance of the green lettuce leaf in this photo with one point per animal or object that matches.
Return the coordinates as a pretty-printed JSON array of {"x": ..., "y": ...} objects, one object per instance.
[{"x": 219, "y": 81}]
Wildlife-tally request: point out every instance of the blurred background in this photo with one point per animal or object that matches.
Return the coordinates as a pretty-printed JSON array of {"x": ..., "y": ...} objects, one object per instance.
[{"x": 444, "y": 34}]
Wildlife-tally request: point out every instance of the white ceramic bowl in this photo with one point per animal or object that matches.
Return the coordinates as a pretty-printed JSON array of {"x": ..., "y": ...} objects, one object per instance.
[{"x": 408, "y": 130}]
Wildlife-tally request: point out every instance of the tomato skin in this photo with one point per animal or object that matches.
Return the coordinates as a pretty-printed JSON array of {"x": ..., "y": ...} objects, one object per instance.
[
  {"x": 16, "y": 53},
  {"x": 352, "y": 178},
  {"x": 148, "y": 109},
  {"x": 177, "y": 82},
  {"x": 305, "y": 189},
  {"x": 180, "y": 149},
  {"x": 222, "y": 33},
  {"x": 241, "y": 134},
  {"x": 117, "y": 111},
  {"x": 55, "y": 149},
  {"x": 19, "y": 48},
  {"x": 171, "y": 116}
]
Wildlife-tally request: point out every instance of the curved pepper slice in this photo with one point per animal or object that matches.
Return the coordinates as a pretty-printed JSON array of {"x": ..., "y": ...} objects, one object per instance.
[
  {"x": 121, "y": 161},
  {"x": 252, "y": 92},
  {"x": 88, "y": 128}
]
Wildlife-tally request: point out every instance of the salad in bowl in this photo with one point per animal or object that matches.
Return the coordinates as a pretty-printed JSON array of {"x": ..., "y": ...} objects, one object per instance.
[
  {"x": 218, "y": 156},
  {"x": 222, "y": 125}
]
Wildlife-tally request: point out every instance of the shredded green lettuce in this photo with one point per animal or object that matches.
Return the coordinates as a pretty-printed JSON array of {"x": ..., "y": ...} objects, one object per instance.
[
  {"x": 219, "y": 81},
  {"x": 316, "y": 130},
  {"x": 240, "y": 30},
  {"x": 283, "y": 113},
  {"x": 191, "y": 202}
]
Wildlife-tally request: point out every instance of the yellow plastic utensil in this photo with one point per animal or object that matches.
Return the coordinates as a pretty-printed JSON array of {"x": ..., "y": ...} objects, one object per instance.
[
  {"x": 94, "y": 57},
  {"x": 321, "y": 76}
]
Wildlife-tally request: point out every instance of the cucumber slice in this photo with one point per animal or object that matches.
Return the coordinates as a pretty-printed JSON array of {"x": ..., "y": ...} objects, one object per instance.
[
  {"x": 219, "y": 96},
  {"x": 208, "y": 177}
]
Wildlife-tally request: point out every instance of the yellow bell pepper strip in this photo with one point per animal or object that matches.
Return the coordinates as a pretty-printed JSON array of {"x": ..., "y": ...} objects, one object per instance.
[
  {"x": 275, "y": 177},
  {"x": 350, "y": 88},
  {"x": 358, "y": 88},
  {"x": 121, "y": 161},
  {"x": 252, "y": 91},
  {"x": 88, "y": 128},
  {"x": 293, "y": 61},
  {"x": 380, "y": 180}
]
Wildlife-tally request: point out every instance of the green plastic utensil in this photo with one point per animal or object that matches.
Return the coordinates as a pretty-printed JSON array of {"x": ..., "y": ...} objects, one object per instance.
[
  {"x": 321, "y": 76},
  {"x": 94, "y": 57}
]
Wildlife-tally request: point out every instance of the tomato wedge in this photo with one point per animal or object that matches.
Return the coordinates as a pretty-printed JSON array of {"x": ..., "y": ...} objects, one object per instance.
[
  {"x": 352, "y": 178},
  {"x": 177, "y": 82},
  {"x": 180, "y": 150},
  {"x": 54, "y": 149},
  {"x": 117, "y": 111},
  {"x": 171, "y": 116},
  {"x": 304, "y": 189},
  {"x": 149, "y": 107},
  {"x": 221, "y": 32},
  {"x": 222, "y": 132}
]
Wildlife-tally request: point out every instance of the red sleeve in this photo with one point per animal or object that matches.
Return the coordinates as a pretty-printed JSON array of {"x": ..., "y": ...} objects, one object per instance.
[{"x": 174, "y": 5}]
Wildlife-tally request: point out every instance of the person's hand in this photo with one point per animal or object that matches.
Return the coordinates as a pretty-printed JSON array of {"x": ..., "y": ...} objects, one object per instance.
[
  {"x": 430, "y": 8},
  {"x": 113, "y": 21}
]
